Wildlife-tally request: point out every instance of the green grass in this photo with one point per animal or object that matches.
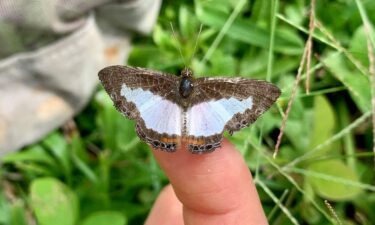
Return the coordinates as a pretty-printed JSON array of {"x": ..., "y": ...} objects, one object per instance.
[{"x": 102, "y": 172}]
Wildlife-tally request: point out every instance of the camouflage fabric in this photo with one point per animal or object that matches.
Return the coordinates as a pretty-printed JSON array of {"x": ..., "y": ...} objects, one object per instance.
[{"x": 50, "y": 54}]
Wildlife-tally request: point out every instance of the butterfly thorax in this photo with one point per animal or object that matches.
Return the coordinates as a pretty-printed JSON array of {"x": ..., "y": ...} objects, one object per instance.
[{"x": 186, "y": 83}]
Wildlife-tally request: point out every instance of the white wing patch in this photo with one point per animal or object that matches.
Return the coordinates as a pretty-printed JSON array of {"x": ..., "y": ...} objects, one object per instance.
[
  {"x": 204, "y": 119},
  {"x": 159, "y": 114},
  {"x": 209, "y": 118}
]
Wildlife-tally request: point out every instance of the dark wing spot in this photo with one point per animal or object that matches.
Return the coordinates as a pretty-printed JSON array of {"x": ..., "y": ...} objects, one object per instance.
[
  {"x": 208, "y": 147},
  {"x": 156, "y": 144}
]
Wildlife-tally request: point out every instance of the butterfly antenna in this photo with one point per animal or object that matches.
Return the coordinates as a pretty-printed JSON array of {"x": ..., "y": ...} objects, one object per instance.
[
  {"x": 179, "y": 46},
  {"x": 196, "y": 43}
]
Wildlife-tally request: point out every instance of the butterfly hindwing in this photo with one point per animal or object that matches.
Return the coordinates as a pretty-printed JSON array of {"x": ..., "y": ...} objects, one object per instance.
[{"x": 147, "y": 97}]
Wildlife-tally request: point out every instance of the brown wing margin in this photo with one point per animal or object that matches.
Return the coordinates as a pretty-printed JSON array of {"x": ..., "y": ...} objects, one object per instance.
[
  {"x": 162, "y": 84},
  {"x": 240, "y": 88}
]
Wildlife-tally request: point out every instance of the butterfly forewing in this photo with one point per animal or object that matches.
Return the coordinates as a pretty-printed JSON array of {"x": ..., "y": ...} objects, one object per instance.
[
  {"x": 223, "y": 104},
  {"x": 148, "y": 97}
]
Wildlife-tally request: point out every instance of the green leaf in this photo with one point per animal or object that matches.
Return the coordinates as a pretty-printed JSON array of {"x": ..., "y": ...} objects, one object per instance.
[
  {"x": 53, "y": 202},
  {"x": 141, "y": 56},
  {"x": 116, "y": 130},
  {"x": 357, "y": 84},
  {"x": 162, "y": 38},
  {"x": 309, "y": 213},
  {"x": 18, "y": 213},
  {"x": 56, "y": 143},
  {"x": 154, "y": 58},
  {"x": 297, "y": 131},
  {"x": 255, "y": 65},
  {"x": 188, "y": 24},
  {"x": 79, "y": 158},
  {"x": 4, "y": 208},
  {"x": 33, "y": 153},
  {"x": 295, "y": 13},
  {"x": 224, "y": 6},
  {"x": 323, "y": 123},
  {"x": 221, "y": 64},
  {"x": 332, "y": 180},
  {"x": 104, "y": 218},
  {"x": 32, "y": 169},
  {"x": 358, "y": 46}
]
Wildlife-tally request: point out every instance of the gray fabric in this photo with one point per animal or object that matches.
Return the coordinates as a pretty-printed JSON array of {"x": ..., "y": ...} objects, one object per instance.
[{"x": 51, "y": 51}]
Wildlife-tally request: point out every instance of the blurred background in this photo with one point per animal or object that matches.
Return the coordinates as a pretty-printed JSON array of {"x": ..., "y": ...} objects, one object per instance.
[{"x": 68, "y": 157}]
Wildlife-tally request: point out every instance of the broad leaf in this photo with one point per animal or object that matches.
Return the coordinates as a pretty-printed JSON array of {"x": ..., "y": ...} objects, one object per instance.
[
  {"x": 332, "y": 179},
  {"x": 53, "y": 202}
]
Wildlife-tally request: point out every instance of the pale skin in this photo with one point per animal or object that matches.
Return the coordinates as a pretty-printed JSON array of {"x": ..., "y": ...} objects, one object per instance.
[{"x": 209, "y": 189}]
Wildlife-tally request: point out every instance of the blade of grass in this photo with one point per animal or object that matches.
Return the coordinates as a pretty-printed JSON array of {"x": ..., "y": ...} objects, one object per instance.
[
  {"x": 348, "y": 139},
  {"x": 224, "y": 30},
  {"x": 274, "y": 10},
  {"x": 328, "y": 40},
  {"x": 322, "y": 92},
  {"x": 291, "y": 100},
  {"x": 349, "y": 56},
  {"x": 357, "y": 84},
  {"x": 155, "y": 179},
  {"x": 249, "y": 32},
  {"x": 343, "y": 157},
  {"x": 306, "y": 31},
  {"x": 310, "y": 45},
  {"x": 306, "y": 56},
  {"x": 310, "y": 173},
  {"x": 370, "y": 51},
  {"x": 274, "y": 209},
  {"x": 277, "y": 201},
  {"x": 291, "y": 180},
  {"x": 303, "y": 76}
]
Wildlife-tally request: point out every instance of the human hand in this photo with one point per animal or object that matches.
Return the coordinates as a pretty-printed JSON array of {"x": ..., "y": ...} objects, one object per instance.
[{"x": 215, "y": 188}]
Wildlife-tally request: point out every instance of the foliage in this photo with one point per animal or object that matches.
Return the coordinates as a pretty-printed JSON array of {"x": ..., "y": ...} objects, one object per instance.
[{"x": 102, "y": 172}]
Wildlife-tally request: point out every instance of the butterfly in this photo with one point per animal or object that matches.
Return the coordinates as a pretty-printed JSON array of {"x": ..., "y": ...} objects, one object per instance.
[{"x": 172, "y": 110}]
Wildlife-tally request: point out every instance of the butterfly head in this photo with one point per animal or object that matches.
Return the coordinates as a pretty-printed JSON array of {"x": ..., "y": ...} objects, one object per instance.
[{"x": 186, "y": 72}]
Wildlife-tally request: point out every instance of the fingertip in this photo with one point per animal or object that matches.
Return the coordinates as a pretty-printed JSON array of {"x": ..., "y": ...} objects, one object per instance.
[{"x": 212, "y": 184}]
